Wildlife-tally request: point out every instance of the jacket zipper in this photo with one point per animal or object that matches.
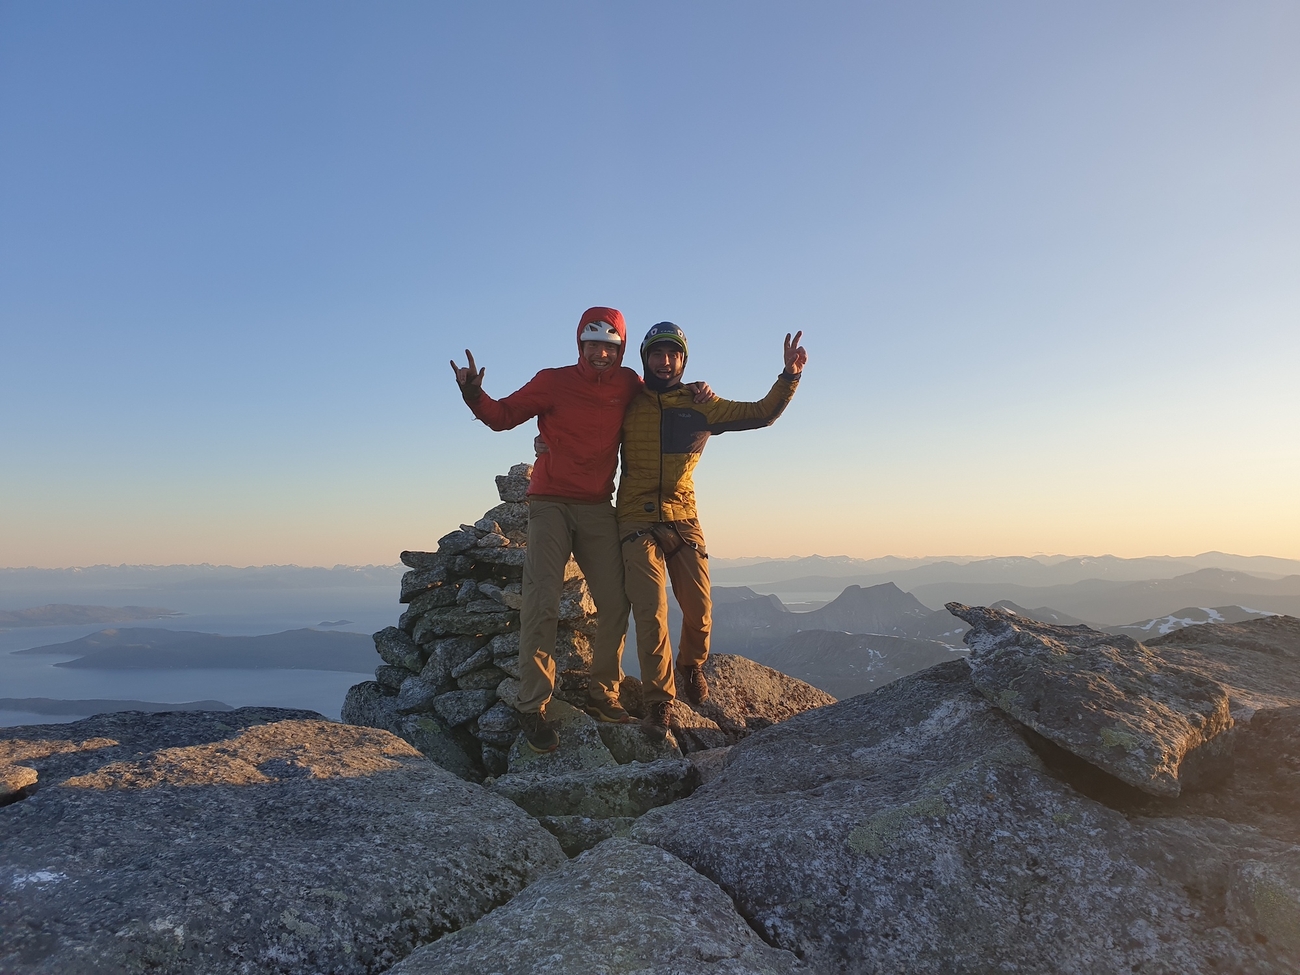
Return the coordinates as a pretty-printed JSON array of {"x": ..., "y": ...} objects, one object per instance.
[{"x": 659, "y": 398}]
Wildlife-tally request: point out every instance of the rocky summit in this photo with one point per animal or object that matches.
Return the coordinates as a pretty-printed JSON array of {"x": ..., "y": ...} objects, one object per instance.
[
  {"x": 254, "y": 840},
  {"x": 1062, "y": 801},
  {"x": 1108, "y": 699},
  {"x": 447, "y": 683},
  {"x": 925, "y": 828},
  {"x": 446, "y": 680},
  {"x": 577, "y": 920}
]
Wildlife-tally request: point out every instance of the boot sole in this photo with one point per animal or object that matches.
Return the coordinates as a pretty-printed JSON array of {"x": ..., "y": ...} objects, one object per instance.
[
  {"x": 542, "y": 751},
  {"x": 604, "y": 720}
]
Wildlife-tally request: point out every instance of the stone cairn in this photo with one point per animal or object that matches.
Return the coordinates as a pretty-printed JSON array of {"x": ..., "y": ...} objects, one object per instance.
[
  {"x": 449, "y": 678},
  {"x": 449, "y": 682},
  {"x": 449, "y": 685}
]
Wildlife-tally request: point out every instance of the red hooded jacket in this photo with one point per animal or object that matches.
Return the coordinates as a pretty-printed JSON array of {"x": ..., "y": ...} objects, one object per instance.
[{"x": 580, "y": 416}]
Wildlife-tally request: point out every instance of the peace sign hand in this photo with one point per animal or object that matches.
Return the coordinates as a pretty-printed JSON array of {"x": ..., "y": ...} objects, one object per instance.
[
  {"x": 796, "y": 356},
  {"x": 468, "y": 378}
]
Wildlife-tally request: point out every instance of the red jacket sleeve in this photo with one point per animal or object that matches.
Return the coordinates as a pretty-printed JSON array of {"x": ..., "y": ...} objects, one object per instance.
[{"x": 519, "y": 407}]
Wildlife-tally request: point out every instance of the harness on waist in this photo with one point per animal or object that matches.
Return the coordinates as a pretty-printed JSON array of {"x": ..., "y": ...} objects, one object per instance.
[{"x": 667, "y": 538}]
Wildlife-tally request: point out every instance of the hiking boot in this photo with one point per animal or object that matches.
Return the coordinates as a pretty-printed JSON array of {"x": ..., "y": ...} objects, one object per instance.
[
  {"x": 538, "y": 732},
  {"x": 610, "y": 712},
  {"x": 693, "y": 685},
  {"x": 655, "y": 722}
]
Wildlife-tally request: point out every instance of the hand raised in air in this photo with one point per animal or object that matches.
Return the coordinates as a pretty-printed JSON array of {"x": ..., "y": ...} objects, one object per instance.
[
  {"x": 796, "y": 356},
  {"x": 468, "y": 377}
]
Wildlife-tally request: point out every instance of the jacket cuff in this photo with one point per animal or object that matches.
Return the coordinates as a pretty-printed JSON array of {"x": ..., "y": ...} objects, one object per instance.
[
  {"x": 791, "y": 378},
  {"x": 470, "y": 393}
]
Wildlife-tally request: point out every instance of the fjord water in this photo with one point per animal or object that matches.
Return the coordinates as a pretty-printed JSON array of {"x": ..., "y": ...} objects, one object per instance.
[{"x": 229, "y": 611}]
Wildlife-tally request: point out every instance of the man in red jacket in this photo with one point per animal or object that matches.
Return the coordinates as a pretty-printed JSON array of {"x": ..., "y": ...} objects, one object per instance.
[{"x": 579, "y": 412}]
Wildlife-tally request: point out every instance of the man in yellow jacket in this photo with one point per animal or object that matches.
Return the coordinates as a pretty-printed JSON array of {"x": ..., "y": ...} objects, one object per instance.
[{"x": 664, "y": 433}]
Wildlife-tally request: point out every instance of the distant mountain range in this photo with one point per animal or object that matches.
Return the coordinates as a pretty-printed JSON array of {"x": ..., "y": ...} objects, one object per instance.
[
  {"x": 1187, "y": 616},
  {"x": 139, "y": 648},
  {"x": 64, "y": 614},
  {"x": 866, "y": 637},
  {"x": 830, "y": 574},
  {"x": 862, "y": 639},
  {"x": 883, "y": 616},
  {"x": 1027, "y": 581},
  {"x": 744, "y": 619},
  {"x": 53, "y": 584},
  {"x": 1105, "y": 592},
  {"x": 1107, "y": 603},
  {"x": 1145, "y": 629}
]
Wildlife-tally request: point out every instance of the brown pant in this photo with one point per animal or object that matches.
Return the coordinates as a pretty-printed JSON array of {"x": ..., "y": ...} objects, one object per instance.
[
  {"x": 588, "y": 532},
  {"x": 653, "y": 554}
]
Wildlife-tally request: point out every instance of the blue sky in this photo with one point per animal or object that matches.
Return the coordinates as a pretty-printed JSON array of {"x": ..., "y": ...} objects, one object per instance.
[{"x": 1044, "y": 256}]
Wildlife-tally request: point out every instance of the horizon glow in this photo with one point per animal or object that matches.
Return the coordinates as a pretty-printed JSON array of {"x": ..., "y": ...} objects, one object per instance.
[{"x": 1044, "y": 260}]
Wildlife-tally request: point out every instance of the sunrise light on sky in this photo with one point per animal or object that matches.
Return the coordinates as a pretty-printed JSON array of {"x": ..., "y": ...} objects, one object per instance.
[{"x": 1044, "y": 258}]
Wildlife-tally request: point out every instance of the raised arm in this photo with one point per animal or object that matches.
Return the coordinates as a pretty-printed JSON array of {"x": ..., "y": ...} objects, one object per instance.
[
  {"x": 796, "y": 356},
  {"x": 504, "y": 414},
  {"x": 727, "y": 415},
  {"x": 469, "y": 380}
]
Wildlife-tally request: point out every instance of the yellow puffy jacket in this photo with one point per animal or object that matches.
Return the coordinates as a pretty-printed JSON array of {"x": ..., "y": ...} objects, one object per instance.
[{"x": 663, "y": 437}]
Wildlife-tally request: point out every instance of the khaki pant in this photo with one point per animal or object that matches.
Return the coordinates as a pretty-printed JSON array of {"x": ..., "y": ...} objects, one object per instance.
[
  {"x": 590, "y": 533},
  {"x": 654, "y": 554}
]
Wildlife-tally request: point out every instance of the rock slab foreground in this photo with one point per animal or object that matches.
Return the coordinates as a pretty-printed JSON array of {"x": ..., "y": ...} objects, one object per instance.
[
  {"x": 1114, "y": 702},
  {"x": 255, "y": 840},
  {"x": 620, "y": 907},
  {"x": 914, "y": 830}
]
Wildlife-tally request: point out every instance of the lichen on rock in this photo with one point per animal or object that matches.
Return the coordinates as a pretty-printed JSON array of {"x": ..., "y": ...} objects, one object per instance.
[{"x": 1108, "y": 699}]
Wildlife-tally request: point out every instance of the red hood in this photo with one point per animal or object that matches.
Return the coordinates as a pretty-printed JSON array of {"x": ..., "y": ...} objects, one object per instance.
[{"x": 601, "y": 314}]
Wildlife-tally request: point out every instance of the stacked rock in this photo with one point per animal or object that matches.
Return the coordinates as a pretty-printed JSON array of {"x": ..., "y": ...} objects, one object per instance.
[{"x": 448, "y": 683}]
